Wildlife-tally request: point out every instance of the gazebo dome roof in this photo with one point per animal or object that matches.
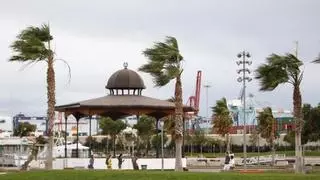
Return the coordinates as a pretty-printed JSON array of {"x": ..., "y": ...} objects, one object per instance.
[{"x": 125, "y": 79}]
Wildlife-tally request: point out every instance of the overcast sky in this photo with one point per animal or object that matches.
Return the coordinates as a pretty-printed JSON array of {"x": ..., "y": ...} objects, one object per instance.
[{"x": 96, "y": 37}]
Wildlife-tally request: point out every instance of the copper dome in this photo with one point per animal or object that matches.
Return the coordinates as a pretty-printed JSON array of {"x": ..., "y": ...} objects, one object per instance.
[{"x": 125, "y": 79}]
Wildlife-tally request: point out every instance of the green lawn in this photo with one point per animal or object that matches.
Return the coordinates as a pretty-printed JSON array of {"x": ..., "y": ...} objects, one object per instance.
[
  {"x": 250, "y": 154},
  {"x": 148, "y": 175}
]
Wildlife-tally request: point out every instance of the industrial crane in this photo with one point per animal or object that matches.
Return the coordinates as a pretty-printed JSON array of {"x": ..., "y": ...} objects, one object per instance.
[{"x": 194, "y": 101}]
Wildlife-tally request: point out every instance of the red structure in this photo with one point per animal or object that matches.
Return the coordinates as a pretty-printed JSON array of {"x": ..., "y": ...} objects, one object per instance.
[{"x": 194, "y": 101}]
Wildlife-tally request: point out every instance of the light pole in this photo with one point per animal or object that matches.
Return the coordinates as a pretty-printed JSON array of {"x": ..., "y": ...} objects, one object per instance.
[
  {"x": 162, "y": 154},
  {"x": 243, "y": 79},
  {"x": 207, "y": 86}
]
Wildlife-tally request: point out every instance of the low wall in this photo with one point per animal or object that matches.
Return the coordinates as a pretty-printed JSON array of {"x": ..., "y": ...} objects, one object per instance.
[{"x": 99, "y": 163}]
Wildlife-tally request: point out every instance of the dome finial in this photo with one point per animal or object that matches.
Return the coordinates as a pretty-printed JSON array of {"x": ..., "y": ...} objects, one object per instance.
[{"x": 125, "y": 65}]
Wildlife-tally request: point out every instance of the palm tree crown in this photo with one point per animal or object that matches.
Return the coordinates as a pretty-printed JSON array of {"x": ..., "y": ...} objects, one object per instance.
[
  {"x": 279, "y": 70},
  {"x": 222, "y": 120},
  {"x": 32, "y": 44},
  {"x": 164, "y": 61}
]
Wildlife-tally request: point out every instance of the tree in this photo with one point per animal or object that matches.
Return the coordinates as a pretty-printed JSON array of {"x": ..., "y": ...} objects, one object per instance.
[
  {"x": 112, "y": 128},
  {"x": 222, "y": 121},
  {"x": 33, "y": 45},
  {"x": 156, "y": 140},
  {"x": 146, "y": 128},
  {"x": 282, "y": 70},
  {"x": 266, "y": 127},
  {"x": 254, "y": 138},
  {"x": 312, "y": 124},
  {"x": 24, "y": 129},
  {"x": 164, "y": 65},
  {"x": 199, "y": 139}
]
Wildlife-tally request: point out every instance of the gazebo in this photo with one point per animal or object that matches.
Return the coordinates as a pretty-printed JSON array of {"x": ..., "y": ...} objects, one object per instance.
[{"x": 124, "y": 99}]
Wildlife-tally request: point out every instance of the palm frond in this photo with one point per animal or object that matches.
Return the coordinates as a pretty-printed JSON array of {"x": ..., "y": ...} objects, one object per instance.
[
  {"x": 164, "y": 61},
  {"x": 69, "y": 69},
  {"x": 278, "y": 70},
  {"x": 31, "y": 44}
]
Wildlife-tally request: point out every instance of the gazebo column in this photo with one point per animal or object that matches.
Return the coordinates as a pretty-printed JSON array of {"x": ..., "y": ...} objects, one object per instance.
[
  {"x": 77, "y": 154},
  {"x": 65, "y": 141},
  {"x": 77, "y": 116},
  {"x": 158, "y": 144},
  {"x": 90, "y": 147}
]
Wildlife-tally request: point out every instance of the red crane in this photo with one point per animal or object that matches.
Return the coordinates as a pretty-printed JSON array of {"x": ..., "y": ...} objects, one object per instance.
[{"x": 194, "y": 101}]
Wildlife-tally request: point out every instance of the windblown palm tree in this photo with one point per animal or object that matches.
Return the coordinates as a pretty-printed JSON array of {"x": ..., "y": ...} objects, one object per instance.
[
  {"x": 281, "y": 70},
  {"x": 164, "y": 65},
  {"x": 33, "y": 45},
  {"x": 222, "y": 121}
]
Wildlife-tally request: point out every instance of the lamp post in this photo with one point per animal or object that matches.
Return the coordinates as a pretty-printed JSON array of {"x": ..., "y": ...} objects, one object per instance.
[
  {"x": 207, "y": 86},
  {"x": 244, "y": 71},
  {"x": 162, "y": 154}
]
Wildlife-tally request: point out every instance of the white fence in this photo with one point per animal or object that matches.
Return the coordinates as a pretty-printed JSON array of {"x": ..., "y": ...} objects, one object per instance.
[{"x": 99, "y": 163}]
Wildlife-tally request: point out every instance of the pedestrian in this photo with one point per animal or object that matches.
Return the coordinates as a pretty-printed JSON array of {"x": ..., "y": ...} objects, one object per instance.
[
  {"x": 120, "y": 161},
  {"x": 91, "y": 162},
  {"x": 109, "y": 162},
  {"x": 226, "y": 161}
]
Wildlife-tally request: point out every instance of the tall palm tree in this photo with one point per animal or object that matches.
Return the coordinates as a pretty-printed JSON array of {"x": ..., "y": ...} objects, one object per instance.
[
  {"x": 222, "y": 121},
  {"x": 33, "y": 45},
  {"x": 285, "y": 70},
  {"x": 164, "y": 65}
]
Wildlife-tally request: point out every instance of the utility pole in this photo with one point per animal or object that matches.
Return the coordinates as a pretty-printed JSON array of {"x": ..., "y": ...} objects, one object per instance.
[
  {"x": 207, "y": 86},
  {"x": 243, "y": 79}
]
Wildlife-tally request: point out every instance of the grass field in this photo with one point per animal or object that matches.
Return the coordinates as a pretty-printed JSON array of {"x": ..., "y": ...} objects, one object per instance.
[
  {"x": 250, "y": 154},
  {"x": 149, "y": 175}
]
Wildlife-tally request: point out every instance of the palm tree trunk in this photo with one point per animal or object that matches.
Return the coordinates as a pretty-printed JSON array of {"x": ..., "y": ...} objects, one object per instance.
[
  {"x": 228, "y": 142},
  {"x": 50, "y": 113},
  {"x": 178, "y": 123},
  {"x": 297, "y": 110}
]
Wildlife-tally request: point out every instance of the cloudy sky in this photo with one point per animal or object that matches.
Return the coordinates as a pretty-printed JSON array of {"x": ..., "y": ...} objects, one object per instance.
[{"x": 96, "y": 37}]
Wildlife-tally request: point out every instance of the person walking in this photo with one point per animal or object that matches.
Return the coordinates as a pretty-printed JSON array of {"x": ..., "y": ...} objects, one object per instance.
[
  {"x": 120, "y": 161},
  {"x": 109, "y": 162}
]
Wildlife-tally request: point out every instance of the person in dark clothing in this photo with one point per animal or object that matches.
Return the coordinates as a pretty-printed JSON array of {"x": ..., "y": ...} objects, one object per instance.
[
  {"x": 120, "y": 161},
  {"x": 226, "y": 161}
]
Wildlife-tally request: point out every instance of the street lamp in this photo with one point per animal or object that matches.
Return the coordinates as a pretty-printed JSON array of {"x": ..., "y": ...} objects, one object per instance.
[
  {"x": 207, "y": 86},
  {"x": 162, "y": 154},
  {"x": 244, "y": 71}
]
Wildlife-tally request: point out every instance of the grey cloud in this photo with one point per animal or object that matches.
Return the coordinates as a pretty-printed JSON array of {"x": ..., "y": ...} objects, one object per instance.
[{"x": 96, "y": 37}]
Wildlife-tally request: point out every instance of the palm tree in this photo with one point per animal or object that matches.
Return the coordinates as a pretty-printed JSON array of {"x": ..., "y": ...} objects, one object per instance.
[
  {"x": 33, "y": 45},
  {"x": 222, "y": 121},
  {"x": 266, "y": 128},
  {"x": 164, "y": 65},
  {"x": 282, "y": 70}
]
